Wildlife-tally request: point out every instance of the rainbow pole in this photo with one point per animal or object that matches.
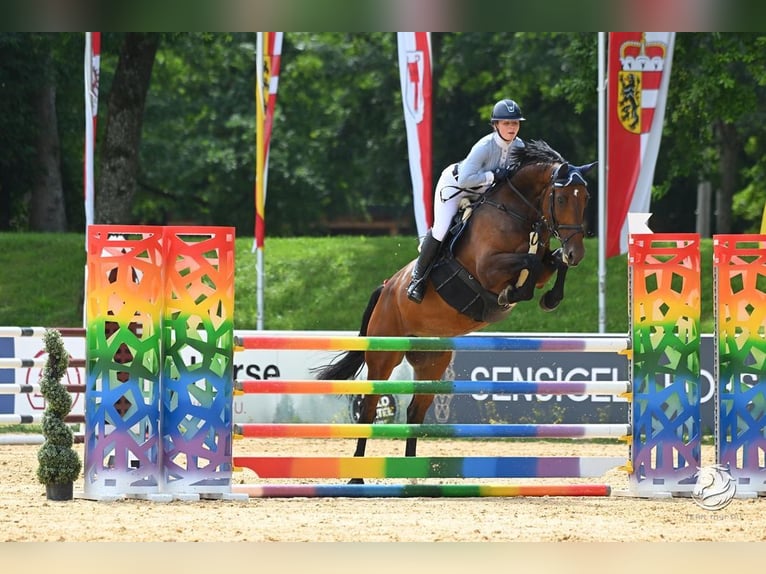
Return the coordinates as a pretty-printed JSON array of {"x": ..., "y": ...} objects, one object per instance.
[
  {"x": 356, "y": 430},
  {"x": 428, "y": 467},
  {"x": 466, "y": 343},
  {"x": 416, "y": 490},
  {"x": 339, "y": 387}
]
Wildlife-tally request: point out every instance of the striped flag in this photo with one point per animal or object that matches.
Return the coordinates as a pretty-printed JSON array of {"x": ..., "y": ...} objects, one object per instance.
[
  {"x": 269, "y": 54},
  {"x": 92, "y": 67},
  {"x": 415, "y": 76},
  {"x": 638, "y": 77}
]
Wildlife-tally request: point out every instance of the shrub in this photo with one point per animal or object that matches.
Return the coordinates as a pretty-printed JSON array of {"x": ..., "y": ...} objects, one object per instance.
[{"x": 58, "y": 462}]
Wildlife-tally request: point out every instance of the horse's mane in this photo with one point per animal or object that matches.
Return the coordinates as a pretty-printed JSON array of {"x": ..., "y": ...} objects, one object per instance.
[{"x": 535, "y": 151}]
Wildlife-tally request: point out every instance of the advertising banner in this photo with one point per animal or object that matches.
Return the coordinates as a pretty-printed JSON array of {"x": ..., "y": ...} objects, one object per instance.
[{"x": 467, "y": 365}]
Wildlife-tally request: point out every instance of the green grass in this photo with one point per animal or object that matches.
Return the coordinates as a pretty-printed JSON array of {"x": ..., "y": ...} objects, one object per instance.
[{"x": 310, "y": 284}]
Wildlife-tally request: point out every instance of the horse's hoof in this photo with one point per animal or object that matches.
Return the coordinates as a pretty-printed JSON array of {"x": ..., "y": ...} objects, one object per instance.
[
  {"x": 547, "y": 305},
  {"x": 356, "y": 481}
]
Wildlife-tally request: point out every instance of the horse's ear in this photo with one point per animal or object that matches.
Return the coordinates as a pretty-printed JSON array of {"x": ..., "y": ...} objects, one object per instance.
[{"x": 587, "y": 167}]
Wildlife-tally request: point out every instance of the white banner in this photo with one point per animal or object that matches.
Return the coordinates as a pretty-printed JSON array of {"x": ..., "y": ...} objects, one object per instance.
[{"x": 415, "y": 76}]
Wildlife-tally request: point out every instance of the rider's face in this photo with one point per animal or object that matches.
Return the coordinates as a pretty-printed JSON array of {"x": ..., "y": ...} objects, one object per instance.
[{"x": 508, "y": 129}]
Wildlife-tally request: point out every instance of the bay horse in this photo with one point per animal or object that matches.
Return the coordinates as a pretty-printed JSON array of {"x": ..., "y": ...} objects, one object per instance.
[{"x": 505, "y": 246}]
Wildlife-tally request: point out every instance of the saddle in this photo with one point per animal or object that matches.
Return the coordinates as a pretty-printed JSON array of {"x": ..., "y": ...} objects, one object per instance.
[{"x": 459, "y": 289}]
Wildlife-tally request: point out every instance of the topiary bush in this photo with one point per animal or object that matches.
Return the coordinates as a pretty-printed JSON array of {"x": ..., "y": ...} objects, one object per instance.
[{"x": 58, "y": 461}]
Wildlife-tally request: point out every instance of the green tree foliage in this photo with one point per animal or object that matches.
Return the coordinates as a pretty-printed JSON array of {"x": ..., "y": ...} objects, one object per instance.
[
  {"x": 23, "y": 70},
  {"x": 339, "y": 145},
  {"x": 713, "y": 129}
]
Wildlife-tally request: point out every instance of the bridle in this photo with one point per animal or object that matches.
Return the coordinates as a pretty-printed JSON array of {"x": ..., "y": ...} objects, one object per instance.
[
  {"x": 549, "y": 223},
  {"x": 574, "y": 177}
]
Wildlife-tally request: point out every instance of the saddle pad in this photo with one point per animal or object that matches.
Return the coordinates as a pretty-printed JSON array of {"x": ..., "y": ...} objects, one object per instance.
[{"x": 463, "y": 292}]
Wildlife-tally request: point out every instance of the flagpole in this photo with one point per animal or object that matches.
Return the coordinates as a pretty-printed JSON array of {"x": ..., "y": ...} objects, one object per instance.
[
  {"x": 259, "y": 183},
  {"x": 269, "y": 53},
  {"x": 601, "y": 87},
  {"x": 92, "y": 67}
]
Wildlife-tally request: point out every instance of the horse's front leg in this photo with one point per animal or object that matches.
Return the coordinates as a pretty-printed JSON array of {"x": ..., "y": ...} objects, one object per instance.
[
  {"x": 529, "y": 268},
  {"x": 554, "y": 263}
]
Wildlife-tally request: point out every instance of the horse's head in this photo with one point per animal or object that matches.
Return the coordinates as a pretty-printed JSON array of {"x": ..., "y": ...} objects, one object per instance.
[
  {"x": 564, "y": 208},
  {"x": 557, "y": 193}
]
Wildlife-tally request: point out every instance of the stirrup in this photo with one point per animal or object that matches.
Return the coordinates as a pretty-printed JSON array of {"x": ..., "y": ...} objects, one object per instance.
[{"x": 415, "y": 291}]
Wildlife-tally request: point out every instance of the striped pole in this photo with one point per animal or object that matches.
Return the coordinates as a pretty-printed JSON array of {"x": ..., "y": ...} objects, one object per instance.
[
  {"x": 35, "y": 419},
  {"x": 416, "y": 490},
  {"x": 428, "y": 467},
  {"x": 466, "y": 343},
  {"x": 31, "y": 438},
  {"x": 256, "y": 430},
  {"x": 16, "y": 332},
  {"x": 16, "y": 363},
  {"x": 339, "y": 387},
  {"x": 19, "y": 389}
]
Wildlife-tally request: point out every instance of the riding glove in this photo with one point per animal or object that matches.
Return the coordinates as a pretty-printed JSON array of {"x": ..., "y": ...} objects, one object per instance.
[{"x": 500, "y": 174}]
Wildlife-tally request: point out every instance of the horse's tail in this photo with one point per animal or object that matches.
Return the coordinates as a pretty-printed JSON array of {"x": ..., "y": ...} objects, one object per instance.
[{"x": 350, "y": 362}]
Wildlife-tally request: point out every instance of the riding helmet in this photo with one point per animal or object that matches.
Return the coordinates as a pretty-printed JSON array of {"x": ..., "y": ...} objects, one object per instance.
[{"x": 506, "y": 110}]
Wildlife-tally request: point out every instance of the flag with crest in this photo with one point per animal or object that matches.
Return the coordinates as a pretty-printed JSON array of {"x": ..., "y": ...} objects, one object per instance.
[{"x": 638, "y": 78}]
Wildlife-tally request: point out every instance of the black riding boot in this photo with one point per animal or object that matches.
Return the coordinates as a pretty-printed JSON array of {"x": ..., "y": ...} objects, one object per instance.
[{"x": 428, "y": 251}]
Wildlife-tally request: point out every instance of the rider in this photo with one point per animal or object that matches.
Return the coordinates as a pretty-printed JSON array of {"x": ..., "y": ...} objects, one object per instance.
[{"x": 485, "y": 164}]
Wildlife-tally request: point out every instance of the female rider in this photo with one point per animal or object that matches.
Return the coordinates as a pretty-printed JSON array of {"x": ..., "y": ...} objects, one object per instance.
[{"x": 486, "y": 164}]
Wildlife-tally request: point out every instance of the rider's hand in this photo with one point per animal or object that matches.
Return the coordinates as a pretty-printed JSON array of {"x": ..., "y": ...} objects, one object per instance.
[{"x": 500, "y": 174}]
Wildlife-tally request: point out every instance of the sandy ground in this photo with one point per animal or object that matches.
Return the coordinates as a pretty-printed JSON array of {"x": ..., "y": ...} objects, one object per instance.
[{"x": 26, "y": 514}]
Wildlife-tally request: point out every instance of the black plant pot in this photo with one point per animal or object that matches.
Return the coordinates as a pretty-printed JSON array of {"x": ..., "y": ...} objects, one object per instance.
[{"x": 59, "y": 491}]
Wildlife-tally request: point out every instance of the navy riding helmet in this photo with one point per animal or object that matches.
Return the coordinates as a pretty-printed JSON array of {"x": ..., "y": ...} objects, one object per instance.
[{"x": 506, "y": 110}]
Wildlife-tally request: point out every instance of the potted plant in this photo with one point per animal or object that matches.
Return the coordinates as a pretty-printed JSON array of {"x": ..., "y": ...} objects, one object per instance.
[{"x": 59, "y": 464}]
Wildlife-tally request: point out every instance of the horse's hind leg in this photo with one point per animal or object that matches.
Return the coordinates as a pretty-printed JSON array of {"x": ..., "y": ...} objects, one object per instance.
[
  {"x": 428, "y": 365},
  {"x": 380, "y": 364}
]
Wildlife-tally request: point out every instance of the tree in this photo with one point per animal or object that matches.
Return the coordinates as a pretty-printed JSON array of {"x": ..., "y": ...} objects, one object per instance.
[
  {"x": 715, "y": 107},
  {"x": 46, "y": 204},
  {"x": 176, "y": 138},
  {"x": 119, "y": 152}
]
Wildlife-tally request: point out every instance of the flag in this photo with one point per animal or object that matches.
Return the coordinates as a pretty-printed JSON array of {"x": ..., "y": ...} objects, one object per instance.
[
  {"x": 92, "y": 69},
  {"x": 638, "y": 76},
  {"x": 415, "y": 77},
  {"x": 269, "y": 53}
]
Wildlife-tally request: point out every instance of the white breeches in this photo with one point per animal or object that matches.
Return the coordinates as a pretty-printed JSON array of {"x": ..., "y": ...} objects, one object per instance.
[{"x": 447, "y": 198}]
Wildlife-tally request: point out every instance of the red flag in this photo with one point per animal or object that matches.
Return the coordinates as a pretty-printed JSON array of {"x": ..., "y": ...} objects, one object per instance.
[
  {"x": 415, "y": 76},
  {"x": 639, "y": 74},
  {"x": 92, "y": 68},
  {"x": 269, "y": 56}
]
